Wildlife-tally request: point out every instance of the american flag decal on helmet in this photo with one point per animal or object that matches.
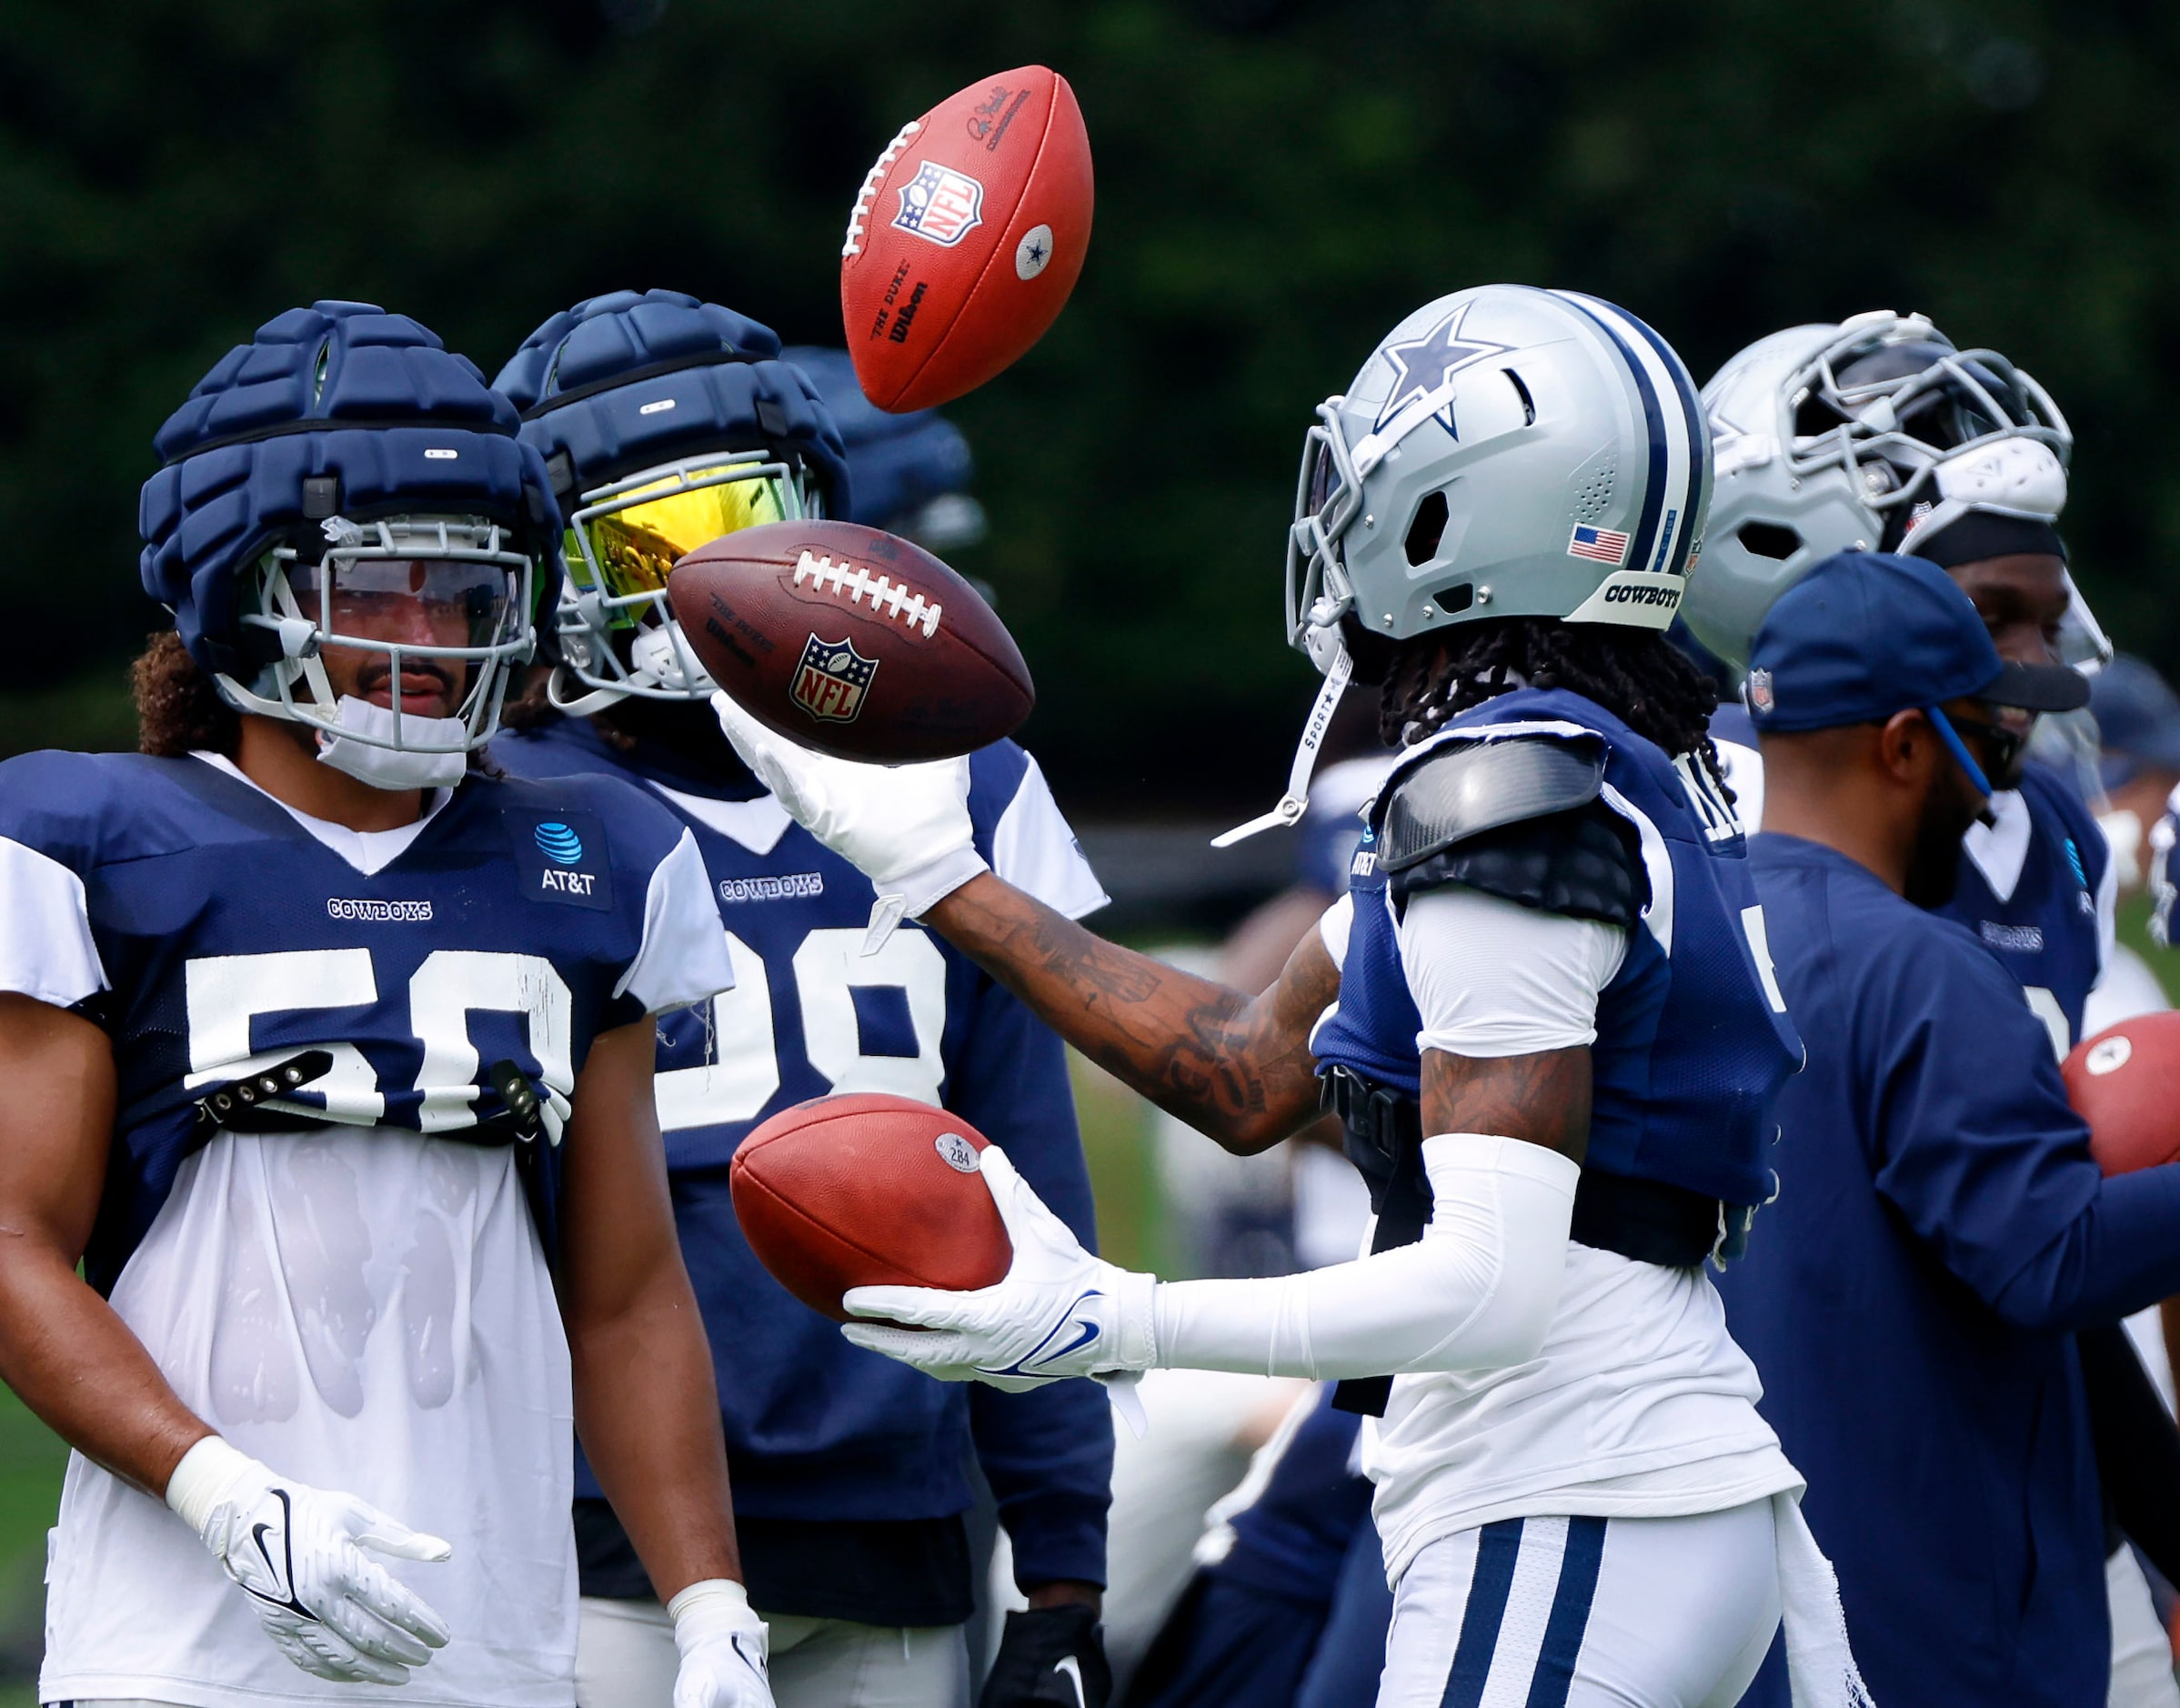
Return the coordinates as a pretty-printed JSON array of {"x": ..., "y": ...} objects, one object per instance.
[{"x": 1601, "y": 544}]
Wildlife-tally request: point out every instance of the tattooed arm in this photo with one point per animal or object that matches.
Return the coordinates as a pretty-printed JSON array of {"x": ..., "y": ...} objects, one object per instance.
[
  {"x": 1542, "y": 1098},
  {"x": 1231, "y": 1065}
]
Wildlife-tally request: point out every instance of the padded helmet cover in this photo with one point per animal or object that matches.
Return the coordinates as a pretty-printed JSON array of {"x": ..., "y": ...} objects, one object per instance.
[{"x": 336, "y": 408}]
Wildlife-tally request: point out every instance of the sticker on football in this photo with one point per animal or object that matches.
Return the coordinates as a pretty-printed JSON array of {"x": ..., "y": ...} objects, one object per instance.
[
  {"x": 851, "y": 640},
  {"x": 2121, "y": 1082},
  {"x": 966, "y": 239}
]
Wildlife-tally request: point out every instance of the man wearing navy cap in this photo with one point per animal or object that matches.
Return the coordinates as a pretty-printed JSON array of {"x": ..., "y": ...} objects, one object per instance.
[{"x": 1909, "y": 1299}]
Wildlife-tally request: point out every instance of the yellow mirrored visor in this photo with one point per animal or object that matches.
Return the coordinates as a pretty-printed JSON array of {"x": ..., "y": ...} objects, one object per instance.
[{"x": 638, "y": 542}]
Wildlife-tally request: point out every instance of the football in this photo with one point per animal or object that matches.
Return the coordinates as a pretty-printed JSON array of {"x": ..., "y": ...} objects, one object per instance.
[
  {"x": 2121, "y": 1082},
  {"x": 867, "y": 1190},
  {"x": 966, "y": 239},
  {"x": 851, "y": 641}
]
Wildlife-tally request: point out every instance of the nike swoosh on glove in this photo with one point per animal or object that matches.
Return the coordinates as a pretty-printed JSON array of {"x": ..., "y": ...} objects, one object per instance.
[
  {"x": 1059, "y": 1312},
  {"x": 904, "y": 826},
  {"x": 1051, "y": 1657},
  {"x": 723, "y": 1646},
  {"x": 298, "y": 1553}
]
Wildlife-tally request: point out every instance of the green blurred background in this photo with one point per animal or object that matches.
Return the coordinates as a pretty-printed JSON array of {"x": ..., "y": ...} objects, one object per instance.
[{"x": 1279, "y": 181}]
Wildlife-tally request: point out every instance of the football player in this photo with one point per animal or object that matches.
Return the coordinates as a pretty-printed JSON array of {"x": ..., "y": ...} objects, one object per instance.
[
  {"x": 668, "y": 422},
  {"x": 329, "y": 1059},
  {"x": 1544, "y": 1011},
  {"x": 1879, "y": 433}
]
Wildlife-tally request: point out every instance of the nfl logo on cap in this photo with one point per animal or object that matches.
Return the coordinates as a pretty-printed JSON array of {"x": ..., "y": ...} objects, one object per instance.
[{"x": 1760, "y": 699}]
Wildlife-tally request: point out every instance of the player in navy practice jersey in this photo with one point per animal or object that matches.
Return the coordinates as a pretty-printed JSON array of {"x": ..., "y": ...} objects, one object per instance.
[
  {"x": 1544, "y": 1008},
  {"x": 1877, "y": 434},
  {"x": 329, "y": 1056},
  {"x": 668, "y": 422}
]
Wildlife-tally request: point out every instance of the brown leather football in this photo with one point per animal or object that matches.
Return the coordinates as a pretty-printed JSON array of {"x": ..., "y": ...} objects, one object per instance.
[
  {"x": 851, "y": 640},
  {"x": 2121, "y": 1082},
  {"x": 867, "y": 1190}
]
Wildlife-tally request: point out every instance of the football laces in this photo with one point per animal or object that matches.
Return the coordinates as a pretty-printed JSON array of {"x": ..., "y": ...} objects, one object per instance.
[{"x": 895, "y": 598}]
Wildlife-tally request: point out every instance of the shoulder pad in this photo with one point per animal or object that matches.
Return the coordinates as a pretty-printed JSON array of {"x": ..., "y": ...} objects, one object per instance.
[{"x": 1476, "y": 786}]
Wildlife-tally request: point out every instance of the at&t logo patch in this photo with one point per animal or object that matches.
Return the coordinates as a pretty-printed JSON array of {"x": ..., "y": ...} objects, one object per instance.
[{"x": 940, "y": 204}]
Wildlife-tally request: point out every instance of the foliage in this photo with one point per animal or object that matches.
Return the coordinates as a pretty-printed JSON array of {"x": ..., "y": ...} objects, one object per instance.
[{"x": 1278, "y": 183}]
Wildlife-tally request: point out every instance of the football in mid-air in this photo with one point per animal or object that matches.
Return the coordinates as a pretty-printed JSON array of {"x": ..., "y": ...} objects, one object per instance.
[
  {"x": 867, "y": 1190},
  {"x": 2122, "y": 1082},
  {"x": 851, "y": 640},
  {"x": 966, "y": 239}
]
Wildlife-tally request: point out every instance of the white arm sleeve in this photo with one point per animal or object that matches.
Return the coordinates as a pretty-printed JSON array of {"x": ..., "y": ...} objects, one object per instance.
[
  {"x": 1477, "y": 1292},
  {"x": 46, "y": 950},
  {"x": 683, "y": 958},
  {"x": 1492, "y": 977}
]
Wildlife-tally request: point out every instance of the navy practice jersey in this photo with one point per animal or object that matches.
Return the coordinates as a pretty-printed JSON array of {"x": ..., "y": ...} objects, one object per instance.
[
  {"x": 2036, "y": 887},
  {"x": 1906, "y": 1299},
  {"x": 816, "y": 1429},
  {"x": 1692, "y": 1039},
  {"x": 224, "y": 937},
  {"x": 1292, "y": 1537}
]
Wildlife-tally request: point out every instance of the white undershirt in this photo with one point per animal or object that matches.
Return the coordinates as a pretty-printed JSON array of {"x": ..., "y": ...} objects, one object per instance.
[{"x": 1492, "y": 977}]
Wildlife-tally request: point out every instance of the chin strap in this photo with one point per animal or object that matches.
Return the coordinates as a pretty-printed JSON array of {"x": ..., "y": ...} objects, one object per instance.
[{"x": 1296, "y": 800}]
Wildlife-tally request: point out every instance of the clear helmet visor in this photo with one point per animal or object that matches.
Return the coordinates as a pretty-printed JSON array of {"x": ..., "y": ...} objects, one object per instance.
[
  {"x": 421, "y": 619},
  {"x": 618, "y": 636}
]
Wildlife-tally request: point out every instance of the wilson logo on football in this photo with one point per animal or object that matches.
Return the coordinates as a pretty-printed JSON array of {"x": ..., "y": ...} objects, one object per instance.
[
  {"x": 940, "y": 204},
  {"x": 831, "y": 680},
  {"x": 853, "y": 581}
]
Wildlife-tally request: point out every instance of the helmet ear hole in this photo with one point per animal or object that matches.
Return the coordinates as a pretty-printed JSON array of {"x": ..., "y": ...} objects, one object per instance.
[
  {"x": 1426, "y": 529},
  {"x": 1770, "y": 539}
]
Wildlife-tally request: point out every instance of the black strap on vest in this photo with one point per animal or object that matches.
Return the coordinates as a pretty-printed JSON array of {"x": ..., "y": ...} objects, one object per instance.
[{"x": 1648, "y": 1220}]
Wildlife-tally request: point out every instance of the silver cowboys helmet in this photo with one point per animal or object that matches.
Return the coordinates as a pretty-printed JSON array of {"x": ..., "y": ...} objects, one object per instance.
[
  {"x": 1504, "y": 452},
  {"x": 1876, "y": 434}
]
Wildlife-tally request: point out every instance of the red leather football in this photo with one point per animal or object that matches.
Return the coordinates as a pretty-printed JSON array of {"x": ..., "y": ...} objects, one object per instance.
[
  {"x": 2125, "y": 1083},
  {"x": 966, "y": 239},
  {"x": 867, "y": 1190},
  {"x": 851, "y": 641}
]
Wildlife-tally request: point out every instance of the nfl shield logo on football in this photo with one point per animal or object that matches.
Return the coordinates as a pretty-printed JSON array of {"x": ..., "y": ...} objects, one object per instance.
[
  {"x": 1761, "y": 700},
  {"x": 831, "y": 679},
  {"x": 940, "y": 204}
]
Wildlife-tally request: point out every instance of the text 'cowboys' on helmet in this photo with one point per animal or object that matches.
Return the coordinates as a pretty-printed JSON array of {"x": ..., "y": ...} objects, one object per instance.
[
  {"x": 342, "y": 486},
  {"x": 1876, "y": 434},
  {"x": 1504, "y": 452},
  {"x": 665, "y": 423}
]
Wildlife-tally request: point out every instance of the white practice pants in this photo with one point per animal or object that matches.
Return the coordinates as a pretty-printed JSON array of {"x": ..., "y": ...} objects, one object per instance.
[
  {"x": 2142, "y": 1654},
  {"x": 626, "y": 1658},
  {"x": 1586, "y": 1612}
]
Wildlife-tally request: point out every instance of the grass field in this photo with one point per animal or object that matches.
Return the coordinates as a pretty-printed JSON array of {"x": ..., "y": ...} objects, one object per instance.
[{"x": 1134, "y": 1231}]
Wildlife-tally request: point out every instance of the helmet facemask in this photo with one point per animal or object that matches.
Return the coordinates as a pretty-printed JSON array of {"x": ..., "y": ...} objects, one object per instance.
[
  {"x": 446, "y": 597},
  {"x": 616, "y": 632}
]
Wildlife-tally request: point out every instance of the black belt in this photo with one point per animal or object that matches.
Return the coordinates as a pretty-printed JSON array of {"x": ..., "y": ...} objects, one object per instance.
[{"x": 1648, "y": 1220}]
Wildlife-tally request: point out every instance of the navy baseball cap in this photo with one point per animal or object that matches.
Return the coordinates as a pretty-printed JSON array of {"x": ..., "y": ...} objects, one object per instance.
[{"x": 1866, "y": 633}]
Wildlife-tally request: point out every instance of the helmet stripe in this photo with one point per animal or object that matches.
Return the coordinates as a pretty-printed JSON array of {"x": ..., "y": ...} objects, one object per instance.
[
  {"x": 1658, "y": 478},
  {"x": 1684, "y": 493},
  {"x": 1697, "y": 500}
]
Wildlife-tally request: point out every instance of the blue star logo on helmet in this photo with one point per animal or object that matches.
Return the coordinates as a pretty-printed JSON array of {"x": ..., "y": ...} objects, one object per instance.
[
  {"x": 559, "y": 843},
  {"x": 1423, "y": 366}
]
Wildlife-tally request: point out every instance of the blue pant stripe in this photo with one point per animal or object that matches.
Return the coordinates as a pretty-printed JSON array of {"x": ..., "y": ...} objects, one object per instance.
[
  {"x": 1570, "y": 1602},
  {"x": 1498, "y": 1546}
]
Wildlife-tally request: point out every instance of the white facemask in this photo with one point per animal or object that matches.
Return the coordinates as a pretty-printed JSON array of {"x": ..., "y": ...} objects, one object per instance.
[{"x": 397, "y": 767}]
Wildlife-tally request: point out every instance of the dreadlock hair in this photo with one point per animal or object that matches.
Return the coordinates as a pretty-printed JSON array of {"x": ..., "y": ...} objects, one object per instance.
[
  {"x": 1637, "y": 675},
  {"x": 178, "y": 711}
]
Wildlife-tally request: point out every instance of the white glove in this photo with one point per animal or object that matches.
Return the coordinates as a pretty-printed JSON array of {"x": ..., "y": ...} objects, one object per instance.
[
  {"x": 1058, "y": 1312},
  {"x": 722, "y": 1646},
  {"x": 297, "y": 1553},
  {"x": 904, "y": 826}
]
